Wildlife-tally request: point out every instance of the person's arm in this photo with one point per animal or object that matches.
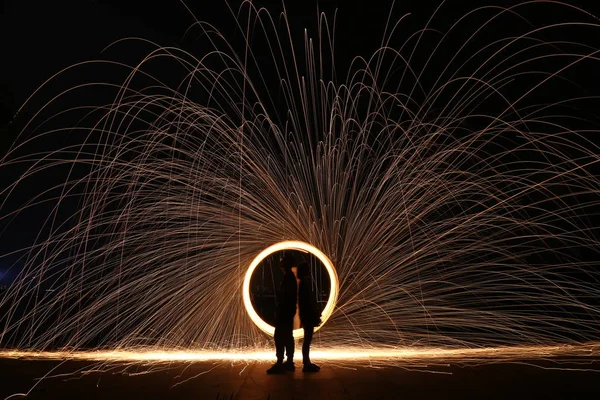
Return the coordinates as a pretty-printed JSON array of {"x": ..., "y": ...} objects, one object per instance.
[{"x": 315, "y": 308}]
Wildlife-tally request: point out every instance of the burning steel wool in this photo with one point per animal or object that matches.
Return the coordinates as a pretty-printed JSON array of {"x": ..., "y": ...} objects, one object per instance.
[{"x": 448, "y": 182}]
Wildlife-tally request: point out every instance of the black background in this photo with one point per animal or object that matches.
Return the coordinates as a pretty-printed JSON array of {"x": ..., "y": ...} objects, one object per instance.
[{"x": 39, "y": 38}]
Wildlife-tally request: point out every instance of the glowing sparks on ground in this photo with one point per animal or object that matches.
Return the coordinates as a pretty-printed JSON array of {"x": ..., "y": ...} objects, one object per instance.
[{"x": 389, "y": 355}]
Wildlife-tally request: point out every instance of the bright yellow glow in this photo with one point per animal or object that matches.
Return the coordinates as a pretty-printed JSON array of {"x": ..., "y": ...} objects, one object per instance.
[
  {"x": 291, "y": 245},
  {"x": 385, "y": 356}
]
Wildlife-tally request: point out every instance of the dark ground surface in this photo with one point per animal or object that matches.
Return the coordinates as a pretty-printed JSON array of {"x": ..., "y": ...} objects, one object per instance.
[{"x": 204, "y": 380}]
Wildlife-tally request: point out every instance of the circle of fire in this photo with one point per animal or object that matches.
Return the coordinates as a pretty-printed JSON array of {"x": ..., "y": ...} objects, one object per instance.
[{"x": 291, "y": 245}]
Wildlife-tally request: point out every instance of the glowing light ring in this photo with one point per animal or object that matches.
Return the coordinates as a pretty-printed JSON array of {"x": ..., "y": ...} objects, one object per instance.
[{"x": 291, "y": 245}]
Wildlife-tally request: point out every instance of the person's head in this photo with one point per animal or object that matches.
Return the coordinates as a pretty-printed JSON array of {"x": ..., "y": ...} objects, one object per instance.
[
  {"x": 303, "y": 271},
  {"x": 286, "y": 262}
]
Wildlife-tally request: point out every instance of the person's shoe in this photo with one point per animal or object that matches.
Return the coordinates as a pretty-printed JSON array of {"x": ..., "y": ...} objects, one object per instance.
[
  {"x": 311, "y": 368},
  {"x": 289, "y": 366},
  {"x": 277, "y": 368}
]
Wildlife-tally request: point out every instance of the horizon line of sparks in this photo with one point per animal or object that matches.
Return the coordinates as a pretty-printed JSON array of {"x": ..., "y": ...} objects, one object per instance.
[{"x": 591, "y": 349}]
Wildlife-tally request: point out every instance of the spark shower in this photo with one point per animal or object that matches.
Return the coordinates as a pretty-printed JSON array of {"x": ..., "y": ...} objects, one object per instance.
[{"x": 448, "y": 176}]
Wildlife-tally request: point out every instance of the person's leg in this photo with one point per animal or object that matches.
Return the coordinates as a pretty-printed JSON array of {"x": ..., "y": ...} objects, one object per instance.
[
  {"x": 279, "y": 338},
  {"x": 308, "y": 365},
  {"x": 308, "y": 335},
  {"x": 289, "y": 343},
  {"x": 280, "y": 341}
]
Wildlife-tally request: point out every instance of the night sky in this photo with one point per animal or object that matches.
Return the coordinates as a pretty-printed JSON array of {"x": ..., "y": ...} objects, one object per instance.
[{"x": 38, "y": 38}]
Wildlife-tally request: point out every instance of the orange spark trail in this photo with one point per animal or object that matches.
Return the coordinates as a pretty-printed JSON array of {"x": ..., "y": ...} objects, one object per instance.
[{"x": 386, "y": 355}]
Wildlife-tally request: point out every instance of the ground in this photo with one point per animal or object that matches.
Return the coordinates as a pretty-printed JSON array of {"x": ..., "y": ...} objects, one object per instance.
[{"x": 208, "y": 380}]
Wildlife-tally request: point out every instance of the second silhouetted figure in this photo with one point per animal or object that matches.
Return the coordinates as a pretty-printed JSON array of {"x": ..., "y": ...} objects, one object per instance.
[{"x": 310, "y": 314}]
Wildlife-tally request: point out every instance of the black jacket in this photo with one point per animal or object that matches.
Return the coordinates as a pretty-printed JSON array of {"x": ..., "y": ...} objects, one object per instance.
[
  {"x": 286, "y": 297},
  {"x": 310, "y": 312}
]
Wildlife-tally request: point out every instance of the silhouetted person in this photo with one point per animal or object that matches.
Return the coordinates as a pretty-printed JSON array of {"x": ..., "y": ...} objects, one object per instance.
[
  {"x": 284, "y": 317},
  {"x": 310, "y": 315}
]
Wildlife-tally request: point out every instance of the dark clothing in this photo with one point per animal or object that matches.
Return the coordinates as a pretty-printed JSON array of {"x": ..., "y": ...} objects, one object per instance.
[
  {"x": 284, "y": 317},
  {"x": 310, "y": 313},
  {"x": 308, "y": 335},
  {"x": 310, "y": 316},
  {"x": 286, "y": 297},
  {"x": 284, "y": 339}
]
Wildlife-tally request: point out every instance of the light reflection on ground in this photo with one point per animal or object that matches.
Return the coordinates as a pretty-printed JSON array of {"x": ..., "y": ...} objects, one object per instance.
[{"x": 389, "y": 356}]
